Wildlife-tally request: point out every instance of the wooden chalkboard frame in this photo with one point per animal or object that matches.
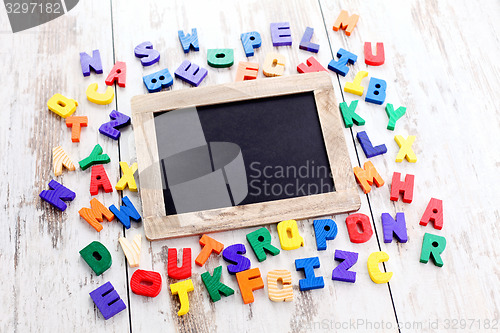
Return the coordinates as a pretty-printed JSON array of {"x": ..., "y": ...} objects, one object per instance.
[{"x": 158, "y": 225}]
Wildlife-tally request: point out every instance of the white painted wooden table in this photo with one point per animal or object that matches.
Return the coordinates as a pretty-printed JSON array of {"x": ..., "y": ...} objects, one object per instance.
[{"x": 441, "y": 63}]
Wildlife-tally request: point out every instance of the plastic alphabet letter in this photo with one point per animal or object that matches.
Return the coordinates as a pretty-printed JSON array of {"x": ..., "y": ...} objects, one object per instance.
[
  {"x": 157, "y": 81},
  {"x": 354, "y": 223},
  {"x": 147, "y": 54},
  {"x": 250, "y": 41},
  {"x": 127, "y": 212},
  {"x": 57, "y": 195},
  {"x": 260, "y": 241},
  {"x": 324, "y": 230},
  {"x": 347, "y": 260},
  {"x": 182, "y": 288},
  {"x": 376, "y": 275},
  {"x": 87, "y": 62},
  {"x": 107, "y": 300},
  {"x": 97, "y": 256},
  {"x": 214, "y": 286},
  {"x": 394, "y": 227},
  {"x": 340, "y": 66},
  {"x": 248, "y": 281},
  {"x": 233, "y": 255},
  {"x": 289, "y": 236}
]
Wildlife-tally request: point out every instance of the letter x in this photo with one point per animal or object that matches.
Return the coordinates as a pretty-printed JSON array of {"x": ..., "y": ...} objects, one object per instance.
[{"x": 405, "y": 150}]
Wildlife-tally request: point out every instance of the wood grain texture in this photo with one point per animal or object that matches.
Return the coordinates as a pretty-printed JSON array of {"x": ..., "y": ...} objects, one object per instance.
[
  {"x": 337, "y": 302},
  {"x": 156, "y": 226},
  {"x": 439, "y": 65}
]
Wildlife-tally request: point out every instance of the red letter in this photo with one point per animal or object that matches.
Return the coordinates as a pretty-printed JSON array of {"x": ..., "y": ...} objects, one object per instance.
[
  {"x": 374, "y": 60},
  {"x": 182, "y": 272},
  {"x": 118, "y": 72},
  {"x": 145, "y": 283},
  {"x": 363, "y": 221},
  {"x": 433, "y": 213},
  {"x": 405, "y": 187}
]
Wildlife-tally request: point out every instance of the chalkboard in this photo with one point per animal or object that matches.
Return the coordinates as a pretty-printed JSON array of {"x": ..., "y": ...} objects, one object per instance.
[{"x": 241, "y": 154}]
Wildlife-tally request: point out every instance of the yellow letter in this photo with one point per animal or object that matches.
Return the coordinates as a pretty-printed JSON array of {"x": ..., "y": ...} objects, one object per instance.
[
  {"x": 127, "y": 178},
  {"x": 355, "y": 86},
  {"x": 97, "y": 98},
  {"x": 373, "y": 260},
  {"x": 288, "y": 233},
  {"x": 62, "y": 106},
  {"x": 405, "y": 150},
  {"x": 181, "y": 289}
]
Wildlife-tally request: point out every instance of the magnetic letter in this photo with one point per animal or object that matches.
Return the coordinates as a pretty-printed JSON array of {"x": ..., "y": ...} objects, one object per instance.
[
  {"x": 62, "y": 106},
  {"x": 274, "y": 64},
  {"x": 190, "y": 73},
  {"x": 355, "y": 86},
  {"x": 367, "y": 146},
  {"x": 157, "y": 81},
  {"x": 57, "y": 195},
  {"x": 189, "y": 41},
  {"x": 128, "y": 177},
  {"x": 145, "y": 283},
  {"x": 96, "y": 214},
  {"x": 349, "y": 114},
  {"x": 118, "y": 120},
  {"x": 376, "y": 91},
  {"x": 220, "y": 58},
  {"x": 345, "y": 22},
  {"x": 60, "y": 159},
  {"x": 312, "y": 66},
  {"x": 76, "y": 123},
  {"x": 405, "y": 150},
  {"x": 182, "y": 272},
  {"x": 98, "y": 98},
  {"x": 393, "y": 115},
  {"x": 87, "y": 62},
  {"x": 95, "y": 157},
  {"x": 118, "y": 73},
  {"x": 127, "y": 212},
  {"x": 305, "y": 43},
  {"x": 247, "y": 71},
  {"x": 132, "y": 250},
  {"x": 99, "y": 178}
]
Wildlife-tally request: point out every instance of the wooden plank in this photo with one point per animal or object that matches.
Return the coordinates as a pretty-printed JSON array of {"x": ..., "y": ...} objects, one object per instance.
[
  {"x": 45, "y": 283},
  {"x": 156, "y": 226},
  {"x": 221, "y": 26},
  {"x": 441, "y": 71}
]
